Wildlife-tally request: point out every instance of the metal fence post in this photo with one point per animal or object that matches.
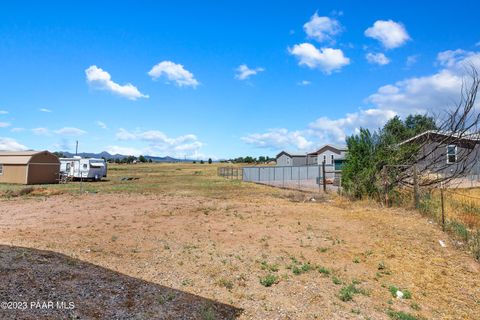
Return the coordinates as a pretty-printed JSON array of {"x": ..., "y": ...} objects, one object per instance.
[
  {"x": 324, "y": 177},
  {"x": 443, "y": 208},
  {"x": 416, "y": 196}
]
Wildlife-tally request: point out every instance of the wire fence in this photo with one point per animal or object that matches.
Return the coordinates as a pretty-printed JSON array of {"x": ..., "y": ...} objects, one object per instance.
[
  {"x": 230, "y": 172},
  {"x": 455, "y": 206}
]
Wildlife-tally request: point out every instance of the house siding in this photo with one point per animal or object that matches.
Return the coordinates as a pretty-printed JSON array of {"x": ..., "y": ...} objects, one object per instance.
[{"x": 436, "y": 161}]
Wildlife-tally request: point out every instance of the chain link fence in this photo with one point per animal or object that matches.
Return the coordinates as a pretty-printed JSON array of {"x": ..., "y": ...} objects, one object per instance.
[{"x": 307, "y": 178}]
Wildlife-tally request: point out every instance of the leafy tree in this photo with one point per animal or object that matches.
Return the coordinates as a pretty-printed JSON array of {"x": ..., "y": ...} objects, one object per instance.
[
  {"x": 369, "y": 152},
  {"x": 142, "y": 159},
  {"x": 209, "y": 160},
  {"x": 202, "y": 162}
]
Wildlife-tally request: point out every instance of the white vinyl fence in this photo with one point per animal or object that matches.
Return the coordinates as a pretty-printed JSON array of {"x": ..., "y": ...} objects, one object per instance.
[{"x": 307, "y": 178}]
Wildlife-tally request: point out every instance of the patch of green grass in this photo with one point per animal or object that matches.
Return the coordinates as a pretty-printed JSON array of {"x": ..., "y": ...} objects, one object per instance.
[
  {"x": 400, "y": 315},
  {"x": 226, "y": 283},
  {"x": 269, "y": 267},
  {"x": 298, "y": 267},
  {"x": 207, "y": 313},
  {"x": 347, "y": 292},
  {"x": 415, "y": 306},
  {"x": 459, "y": 229},
  {"x": 324, "y": 271},
  {"x": 269, "y": 280},
  {"x": 356, "y": 260},
  {"x": 322, "y": 249},
  {"x": 336, "y": 281}
]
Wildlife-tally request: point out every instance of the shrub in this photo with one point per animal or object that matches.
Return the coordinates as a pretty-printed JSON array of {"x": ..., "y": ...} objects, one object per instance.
[
  {"x": 347, "y": 292},
  {"x": 269, "y": 280},
  {"x": 324, "y": 270},
  {"x": 400, "y": 315},
  {"x": 459, "y": 229}
]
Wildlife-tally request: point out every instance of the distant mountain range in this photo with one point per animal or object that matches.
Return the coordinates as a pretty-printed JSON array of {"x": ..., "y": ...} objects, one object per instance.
[{"x": 108, "y": 156}]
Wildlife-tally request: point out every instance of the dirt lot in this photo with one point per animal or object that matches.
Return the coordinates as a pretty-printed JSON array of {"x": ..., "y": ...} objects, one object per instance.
[{"x": 182, "y": 243}]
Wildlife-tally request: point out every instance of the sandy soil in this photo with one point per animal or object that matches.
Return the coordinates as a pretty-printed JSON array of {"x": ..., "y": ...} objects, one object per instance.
[{"x": 218, "y": 250}]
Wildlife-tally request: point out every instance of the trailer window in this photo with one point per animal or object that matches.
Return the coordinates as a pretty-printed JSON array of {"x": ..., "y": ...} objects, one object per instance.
[
  {"x": 451, "y": 153},
  {"x": 1, "y": 169},
  {"x": 85, "y": 166}
]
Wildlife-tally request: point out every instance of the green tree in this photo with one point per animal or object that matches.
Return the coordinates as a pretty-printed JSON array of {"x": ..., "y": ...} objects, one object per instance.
[
  {"x": 142, "y": 159},
  {"x": 209, "y": 160},
  {"x": 369, "y": 152}
]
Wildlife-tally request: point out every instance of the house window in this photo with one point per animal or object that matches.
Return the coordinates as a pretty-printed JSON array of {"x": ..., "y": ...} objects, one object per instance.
[
  {"x": 1, "y": 169},
  {"x": 325, "y": 159},
  {"x": 333, "y": 160},
  {"x": 451, "y": 153}
]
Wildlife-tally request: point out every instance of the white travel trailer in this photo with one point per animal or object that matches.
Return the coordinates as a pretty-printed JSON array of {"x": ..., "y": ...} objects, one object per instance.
[{"x": 78, "y": 168}]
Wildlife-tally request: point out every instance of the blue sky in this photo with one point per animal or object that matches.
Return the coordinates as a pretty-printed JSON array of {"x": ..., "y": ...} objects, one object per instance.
[{"x": 223, "y": 78}]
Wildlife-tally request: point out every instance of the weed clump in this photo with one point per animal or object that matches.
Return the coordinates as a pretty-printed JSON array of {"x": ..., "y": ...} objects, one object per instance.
[
  {"x": 400, "y": 315},
  {"x": 269, "y": 280},
  {"x": 347, "y": 292}
]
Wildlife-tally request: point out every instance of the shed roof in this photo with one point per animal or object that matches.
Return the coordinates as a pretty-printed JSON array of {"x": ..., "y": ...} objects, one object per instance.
[{"x": 18, "y": 157}]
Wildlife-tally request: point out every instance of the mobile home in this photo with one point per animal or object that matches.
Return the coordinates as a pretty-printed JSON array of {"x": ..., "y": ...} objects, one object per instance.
[{"x": 78, "y": 168}]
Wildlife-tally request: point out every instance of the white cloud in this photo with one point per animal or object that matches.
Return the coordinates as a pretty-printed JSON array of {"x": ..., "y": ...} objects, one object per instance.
[
  {"x": 322, "y": 28},
  {"x": 44, "y": 110},
  {"x": 123, "y": 134},
  {"x": 173, "y": 72},
  {"x": 70, "y": 131},
  {"x": 101, "y": 124},
  {"x": 452, "y": 58},
  {"x": 411, "y": 60},
  {"x": 4, "y": 124},
  {"x": 40, "y": 131},
  {"x": 9, "y": 144},
  {"x": 390, "y": 33},
  {"x": 304, "y": 83},
  {"x": 17, "y": 129},
  {"x": 430, "y": 93},
  {"x": 127, "y": 151},
  {"x": 3, "y": 112},
  {"x": 279, "y": 139},
  {"x": 243, "y": 72},
  {"x": 161, "y": 144},
  {"x": 100, "y": 79},
  {"x": 377, "y": 58},
  {"x": 325, "y": 59}
]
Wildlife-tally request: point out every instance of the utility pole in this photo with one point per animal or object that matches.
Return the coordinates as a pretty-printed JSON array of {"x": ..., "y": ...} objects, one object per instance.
[{"x": 76, "y": 149}]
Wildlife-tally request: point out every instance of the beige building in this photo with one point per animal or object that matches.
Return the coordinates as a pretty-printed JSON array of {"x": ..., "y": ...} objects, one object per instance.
[{"x": 29, "y": 167}]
